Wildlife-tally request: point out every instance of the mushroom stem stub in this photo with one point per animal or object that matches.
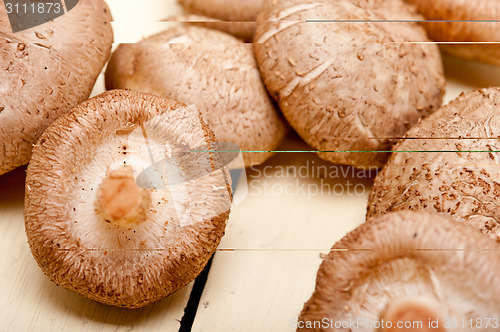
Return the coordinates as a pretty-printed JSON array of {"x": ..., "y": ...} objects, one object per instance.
[
  {"x": 411, "y": 315},
  {"x": 120, "y": 200}
]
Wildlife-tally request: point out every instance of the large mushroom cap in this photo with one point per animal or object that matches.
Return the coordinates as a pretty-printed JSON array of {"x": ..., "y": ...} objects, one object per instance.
[
  {"x": 239, "y": 15},
  {"x": 469, "y": 29},
  {"x": 212, "y": 70},
  {"x": 94, "y": 230},
  {"x": 448, "y": 163},
  {"x": 45, "y": 71},
  {"x": 406, "y": 267},
  {"x": 348, "y": 86}
]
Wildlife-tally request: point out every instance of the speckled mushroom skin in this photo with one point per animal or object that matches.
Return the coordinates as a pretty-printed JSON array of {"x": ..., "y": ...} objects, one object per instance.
[
  {"x": 46, "y": 71},
  {"x": 348, "y": 86},
  {"x": 212, "y": 70},
  {"x": 471, "y": 32},
  {"x": 464, "y": 185},
  {"x": 406, "y": 255},
  {"x": 239, "y": 15},
  {"x": 82, "y": 252}
]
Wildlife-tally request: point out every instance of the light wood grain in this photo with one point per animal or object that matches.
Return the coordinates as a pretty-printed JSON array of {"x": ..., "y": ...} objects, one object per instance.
[
  {"x": 265, "y": 288},
  {"x": 277, "y": 241}
]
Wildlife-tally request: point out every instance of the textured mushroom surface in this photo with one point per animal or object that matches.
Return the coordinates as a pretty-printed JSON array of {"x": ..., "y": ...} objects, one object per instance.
[
  {"x": 448, "y": 163},
  {"x": 348, "y": 86},
  {"x": 45, "y": 71},
  {"x": 212, "y": 70},
  {"x": 414, "y": 265},
  {"x": 239, "y": 15},
  {"x": 92, "y": 228},
  {"x": 479, "y": 39}
]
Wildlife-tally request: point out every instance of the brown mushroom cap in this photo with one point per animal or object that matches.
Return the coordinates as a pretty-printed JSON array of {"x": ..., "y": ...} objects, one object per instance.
[
  {"x": 348, "y": 86},
  {"x": 212, "y": 70},
  {"x": 481, "y": 38},
  {"x": 240, "y": 15},
  {"x": 449, "y": 164},
  {"x": 93, "y": 230},
  {"x": 406, "y": 266},
  {"x": 46, "y": 71}
]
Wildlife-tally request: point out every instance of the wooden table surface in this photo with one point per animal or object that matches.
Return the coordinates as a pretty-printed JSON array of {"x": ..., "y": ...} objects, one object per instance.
[{"x": 266, "y": 265}]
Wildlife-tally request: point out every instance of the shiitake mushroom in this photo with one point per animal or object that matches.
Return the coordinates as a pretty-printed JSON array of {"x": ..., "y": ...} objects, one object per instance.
[
  {"x": 46, "y": 71},
  {"x": 94, "y": 230},
  {"x": 347, "y": 80},
  {"x": 448, "y": 163},
  {"x": 467, "y": 29},
  {"x": 406, "y": 268},
  {"x": 211, "y": 70},
  {"x": 236, "y": 17}
]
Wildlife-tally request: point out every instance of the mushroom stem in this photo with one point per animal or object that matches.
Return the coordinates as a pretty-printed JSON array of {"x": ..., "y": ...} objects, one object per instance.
[
  {"x": 410, "y": 315},
  {"x": 120, "y": 200}
]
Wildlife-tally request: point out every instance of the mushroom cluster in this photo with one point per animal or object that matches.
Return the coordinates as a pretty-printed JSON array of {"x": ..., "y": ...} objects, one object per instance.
[
  {"x": 211, "y": 70},
  {"x": 348, "y": 89},
  {"x": 412, "y": 271},
  {"x": 128, "y": 195},
  {"x": 448, "y": 163},
  {"x": 90, "y": 225},
  {"x": 41, "y": 76}
]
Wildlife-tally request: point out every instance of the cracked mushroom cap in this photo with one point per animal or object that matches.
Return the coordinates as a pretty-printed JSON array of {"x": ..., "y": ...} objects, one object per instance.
[
  {"x": 93, "y": 230},
  {"x": 406, "y": 267},
  {"x": 470, "y": 40},
  {"x": 348, "y": 86},
  {"x": 45, "y": 71},
  {"x": 237, "y": 16},
  {"x": 212, "y": 70},
  {"x": 455, "y": 170}
]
